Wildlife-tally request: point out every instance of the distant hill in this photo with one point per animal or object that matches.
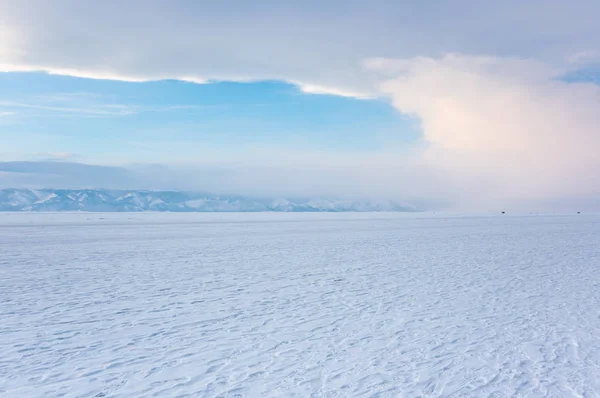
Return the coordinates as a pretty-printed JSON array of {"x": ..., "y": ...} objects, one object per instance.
[{"x": 175, "y": 201}]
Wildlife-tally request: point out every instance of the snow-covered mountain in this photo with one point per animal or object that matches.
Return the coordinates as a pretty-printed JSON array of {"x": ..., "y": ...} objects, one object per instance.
[{"x": 128, "y": 201}]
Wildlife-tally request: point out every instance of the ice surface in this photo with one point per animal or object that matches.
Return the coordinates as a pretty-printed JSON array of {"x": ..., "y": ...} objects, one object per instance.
[{"x": 278, "y": 305}]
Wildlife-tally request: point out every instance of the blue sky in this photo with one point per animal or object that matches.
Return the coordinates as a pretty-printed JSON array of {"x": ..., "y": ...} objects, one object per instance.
[
  {"x": 441, "y": 101},
  {"x": 90, "y": 119}
]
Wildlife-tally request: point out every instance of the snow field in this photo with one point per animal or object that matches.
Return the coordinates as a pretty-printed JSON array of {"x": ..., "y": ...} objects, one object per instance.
[{"x": 276, "y": 305}]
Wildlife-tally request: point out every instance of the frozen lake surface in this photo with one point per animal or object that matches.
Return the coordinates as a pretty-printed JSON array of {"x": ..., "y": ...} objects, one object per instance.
[{"x": 281, "y": 305}]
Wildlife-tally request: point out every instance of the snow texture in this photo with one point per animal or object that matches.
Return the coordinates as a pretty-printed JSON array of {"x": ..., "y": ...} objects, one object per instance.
[{"x": 284, "y": 305}]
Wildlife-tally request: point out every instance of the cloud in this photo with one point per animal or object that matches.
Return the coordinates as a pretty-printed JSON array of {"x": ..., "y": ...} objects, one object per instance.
[
  {"x": 314, "y": 44},
  {"x": 88, "y": 105},
  {"x": 341, "y": 178},
  {"x": 91, "y": 110},
  {"x": 59, "y": 174},
  {"x": 506, "y": 128},
  {"x": 316, "y": 89},
  {"x": 98, "y": 74}
]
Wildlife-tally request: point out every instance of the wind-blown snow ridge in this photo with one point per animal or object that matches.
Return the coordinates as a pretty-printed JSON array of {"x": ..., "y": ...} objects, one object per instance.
[{"x": 175, "y": 201}]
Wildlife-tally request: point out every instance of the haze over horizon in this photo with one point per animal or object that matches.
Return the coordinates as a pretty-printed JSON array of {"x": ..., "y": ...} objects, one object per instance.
[{"x": 455, "y": 105}]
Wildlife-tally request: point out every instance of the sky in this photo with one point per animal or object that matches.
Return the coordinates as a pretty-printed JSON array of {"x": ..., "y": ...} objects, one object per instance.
[{"x": 462, "y": 105}]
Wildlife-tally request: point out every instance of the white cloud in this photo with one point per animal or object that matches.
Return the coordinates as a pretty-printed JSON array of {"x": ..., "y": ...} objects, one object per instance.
[
  {"x": 320, "y": 45},
  {"x": 87, "y": 105},
  {"x": 340, "y": 92},
  {"x": 99, "y": 110},
  {"x": 99, "y": 74},
  {"x": 508, "y": 129}
]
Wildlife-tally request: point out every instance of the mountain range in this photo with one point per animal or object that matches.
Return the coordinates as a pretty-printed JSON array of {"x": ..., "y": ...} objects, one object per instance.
[{"x": 95, "y": 200}]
